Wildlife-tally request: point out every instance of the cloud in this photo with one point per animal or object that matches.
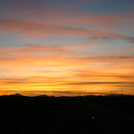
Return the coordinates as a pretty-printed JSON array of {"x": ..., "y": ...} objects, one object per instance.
[
  {"x": 59, "y": 56},
  {"x": 89, "y": 0},
  {"x": 110, "y": 58},
  {"x": 37, "y": 29},
  {"x": 42, "y": 52},
  {"x": 58, "y": 74},
  {"x": 112, "y": 36},
  {"x": 14, "y": 81},
  {"x": 68, "y": 16},
  {"x": 74, "y": 52},
  {"x": 92, "y": 83}
]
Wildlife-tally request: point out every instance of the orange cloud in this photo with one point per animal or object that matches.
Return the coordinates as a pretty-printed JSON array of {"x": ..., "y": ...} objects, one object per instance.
[{"x": 63, "y": 68}]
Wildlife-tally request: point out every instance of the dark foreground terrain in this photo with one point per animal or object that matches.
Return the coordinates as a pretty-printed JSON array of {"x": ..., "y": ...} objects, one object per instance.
[{"x": 78, "y": 115}]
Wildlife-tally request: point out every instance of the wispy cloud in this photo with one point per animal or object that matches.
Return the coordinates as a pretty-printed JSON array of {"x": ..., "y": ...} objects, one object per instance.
[
  {"x": 71, "y": 47},
  {"x": 111, "y": 36},
  {"x": 37, "y": 29}
]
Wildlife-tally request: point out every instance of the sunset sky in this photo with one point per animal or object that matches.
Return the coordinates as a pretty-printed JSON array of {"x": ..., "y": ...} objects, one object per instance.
[{"x": 66, "y": 47}]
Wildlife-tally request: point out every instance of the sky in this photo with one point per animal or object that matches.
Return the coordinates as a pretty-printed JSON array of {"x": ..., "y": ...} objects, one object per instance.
[{"x": 66, "y": 47}]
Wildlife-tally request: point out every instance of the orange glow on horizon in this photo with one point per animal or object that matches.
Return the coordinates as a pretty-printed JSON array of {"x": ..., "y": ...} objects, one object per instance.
[{"x": 66, "y": 48}]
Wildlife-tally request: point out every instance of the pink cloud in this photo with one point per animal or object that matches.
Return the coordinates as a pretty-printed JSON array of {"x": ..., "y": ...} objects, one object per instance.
[
  {"x": 37, "y": 29},
  {"x": 55, "y": 54}
]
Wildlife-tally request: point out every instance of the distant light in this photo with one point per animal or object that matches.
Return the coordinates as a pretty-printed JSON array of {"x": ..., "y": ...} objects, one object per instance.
[{"x": 92, "y": 118}]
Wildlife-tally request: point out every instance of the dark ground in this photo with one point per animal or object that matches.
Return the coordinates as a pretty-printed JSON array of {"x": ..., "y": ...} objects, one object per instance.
[{"x": 48, "y": 115}]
